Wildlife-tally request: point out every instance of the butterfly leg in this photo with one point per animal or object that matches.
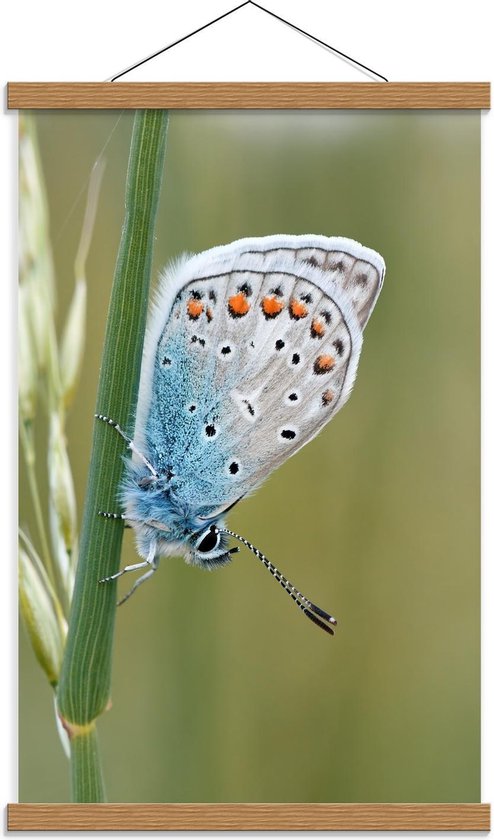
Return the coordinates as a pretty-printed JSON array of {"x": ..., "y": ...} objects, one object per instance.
[
  {"x": 138, "y": 582},
  {"x": 107, "y": 515},
  {"x": 130, "y": 443},
  {"x": 151, "y": 562}
]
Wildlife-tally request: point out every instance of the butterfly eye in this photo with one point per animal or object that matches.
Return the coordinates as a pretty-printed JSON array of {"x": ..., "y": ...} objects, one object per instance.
[{"x": 208, "y": 540}]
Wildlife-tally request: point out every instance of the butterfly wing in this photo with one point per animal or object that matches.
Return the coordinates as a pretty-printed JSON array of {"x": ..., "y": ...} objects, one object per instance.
[{"x": 251, "y": 349}]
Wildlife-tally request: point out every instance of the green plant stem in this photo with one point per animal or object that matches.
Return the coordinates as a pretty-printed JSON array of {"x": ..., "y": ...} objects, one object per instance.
[
  {"x": 87, "y": 783},
  {"x": 85, "y": 682},
  {"x": 30, "y": 460}
]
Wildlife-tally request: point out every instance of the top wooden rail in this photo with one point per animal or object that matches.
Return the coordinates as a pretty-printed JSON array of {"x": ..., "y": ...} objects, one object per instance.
[{"x": 233, "y": 95}]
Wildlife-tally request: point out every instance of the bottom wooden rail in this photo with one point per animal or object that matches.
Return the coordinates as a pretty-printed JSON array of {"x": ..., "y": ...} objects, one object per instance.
[{"x": 291, "y": 816}]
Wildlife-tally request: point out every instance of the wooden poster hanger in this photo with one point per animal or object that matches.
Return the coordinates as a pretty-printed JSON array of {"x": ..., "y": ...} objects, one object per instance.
[{"x": 274, "y": 95}]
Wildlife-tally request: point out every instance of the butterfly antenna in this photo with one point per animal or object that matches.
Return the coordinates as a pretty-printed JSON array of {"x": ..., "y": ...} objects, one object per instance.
[{"x": 315, "y": 613}]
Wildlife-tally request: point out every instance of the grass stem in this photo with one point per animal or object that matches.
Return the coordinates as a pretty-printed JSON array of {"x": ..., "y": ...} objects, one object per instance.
[
  {"x": 85, "y": 683},
  {"x": 87, "y": 782}
]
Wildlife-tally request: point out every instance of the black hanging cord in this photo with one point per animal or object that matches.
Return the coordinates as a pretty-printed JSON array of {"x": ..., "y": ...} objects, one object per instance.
[
  {"x": 159, "y": 52},
  {"x": 268, "y": 12},
  {"x": 317, "y": 40}
]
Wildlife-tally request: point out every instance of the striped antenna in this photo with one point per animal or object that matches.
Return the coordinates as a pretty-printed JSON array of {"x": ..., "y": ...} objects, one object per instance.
[{"x": 315, "y": 613}]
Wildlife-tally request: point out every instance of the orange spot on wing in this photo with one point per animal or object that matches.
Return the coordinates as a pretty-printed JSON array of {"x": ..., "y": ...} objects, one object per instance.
[
  {"x": 238, "y": 305},
  {"x": 323, "y": 364},
  {"x": 194, "y": 308},
  {"x": 298, "y": 309},
  {"x": 317, "y": 328},
  {"x": 271, "y": 306},
  {"x": 327, "y": 397}
]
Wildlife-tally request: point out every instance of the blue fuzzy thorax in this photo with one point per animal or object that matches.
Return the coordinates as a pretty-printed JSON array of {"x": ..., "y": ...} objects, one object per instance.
[
  {"x": 150, "y": 503},
  {"x": 155, "y": 501}
]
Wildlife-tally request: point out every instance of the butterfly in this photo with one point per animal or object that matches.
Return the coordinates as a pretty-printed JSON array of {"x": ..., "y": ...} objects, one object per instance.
[{"x": 250, "y": 349}]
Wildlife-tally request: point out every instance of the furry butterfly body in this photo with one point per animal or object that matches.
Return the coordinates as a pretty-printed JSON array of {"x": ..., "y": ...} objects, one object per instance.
[{"x": 251, "y": 348}]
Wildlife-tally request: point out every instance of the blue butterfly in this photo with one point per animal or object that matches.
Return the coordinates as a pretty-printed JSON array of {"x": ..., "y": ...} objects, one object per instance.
[{"x": 250, "y": 350}]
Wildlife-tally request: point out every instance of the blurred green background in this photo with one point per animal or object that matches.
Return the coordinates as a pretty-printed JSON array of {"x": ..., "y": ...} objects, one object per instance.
[{"x": 222, "y": 690}]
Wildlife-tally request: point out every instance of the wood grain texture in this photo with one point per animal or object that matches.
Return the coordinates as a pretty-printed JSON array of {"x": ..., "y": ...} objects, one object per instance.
[
  {"x": 90, "y": 95},
  {"x": 251, "y": 817}
]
